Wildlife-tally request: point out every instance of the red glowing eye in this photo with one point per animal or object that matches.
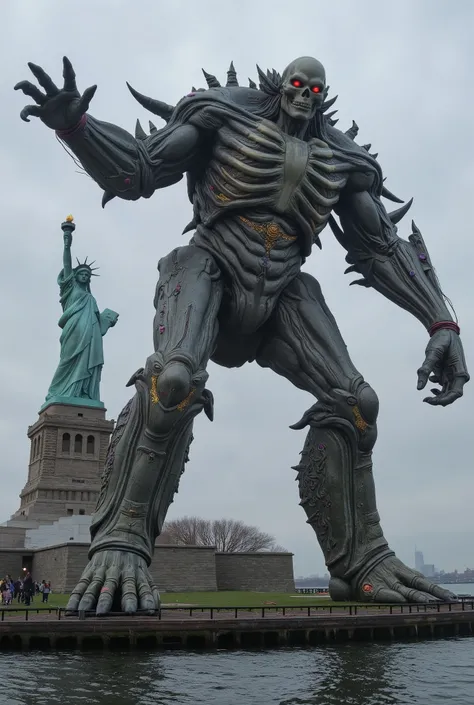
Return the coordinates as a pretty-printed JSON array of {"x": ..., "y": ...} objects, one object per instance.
[
  {"x": 316, "y": 89},
  {"x": 296, "y": 83}
]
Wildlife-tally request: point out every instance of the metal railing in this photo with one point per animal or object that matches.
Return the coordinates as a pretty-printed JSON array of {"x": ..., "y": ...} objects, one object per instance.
[
  {"x": 12, "y": 610},
  {"x": 261, "y": 612}
]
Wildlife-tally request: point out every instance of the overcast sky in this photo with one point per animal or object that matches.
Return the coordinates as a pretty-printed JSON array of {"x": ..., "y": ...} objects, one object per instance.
[{"x": 405, "y": 75}]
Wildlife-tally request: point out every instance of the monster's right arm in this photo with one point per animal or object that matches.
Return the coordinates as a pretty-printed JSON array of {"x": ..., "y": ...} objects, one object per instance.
[{"x": 126, "y": 167}]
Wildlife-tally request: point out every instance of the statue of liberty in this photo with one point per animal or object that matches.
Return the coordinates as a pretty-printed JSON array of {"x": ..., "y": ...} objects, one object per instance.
[{"x": 77, "y": 377}]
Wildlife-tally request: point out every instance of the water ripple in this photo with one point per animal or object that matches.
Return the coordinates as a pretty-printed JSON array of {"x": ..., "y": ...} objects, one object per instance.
[{"x": 421, "y": 673}]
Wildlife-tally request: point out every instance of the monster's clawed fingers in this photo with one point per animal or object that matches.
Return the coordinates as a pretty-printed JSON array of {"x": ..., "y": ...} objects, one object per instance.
[
  {"x": 43, "y": 79},
  {"x": 30, "y": 89},
  {"x": 129, "y": 592},
  {"x": 34, "y": 110},
  {"x": 86, "y": 99},
  {"x": 69, "y": 75},
  {"x": 145, "y": 592}
]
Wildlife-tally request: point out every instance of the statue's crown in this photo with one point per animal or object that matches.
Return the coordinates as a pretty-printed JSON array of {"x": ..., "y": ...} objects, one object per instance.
[{"x": 86, "y": 266}]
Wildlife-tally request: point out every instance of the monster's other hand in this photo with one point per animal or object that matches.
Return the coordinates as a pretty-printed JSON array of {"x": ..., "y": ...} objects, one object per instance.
[
  {"x": 59, "y": 108},
  {"x": 111, "y": 576},
  {"x": 445, "y": 365}
]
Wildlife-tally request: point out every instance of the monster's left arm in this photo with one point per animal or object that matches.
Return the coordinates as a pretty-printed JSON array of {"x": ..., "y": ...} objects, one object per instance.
[{"x": 402, "y": 271}]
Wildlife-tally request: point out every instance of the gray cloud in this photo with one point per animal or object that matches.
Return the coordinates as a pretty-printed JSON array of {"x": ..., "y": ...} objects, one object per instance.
[{"x": 404, "y": 73}]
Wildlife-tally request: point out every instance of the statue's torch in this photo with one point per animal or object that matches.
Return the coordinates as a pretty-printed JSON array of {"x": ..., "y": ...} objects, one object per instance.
[{"x": 68, "y": 226}]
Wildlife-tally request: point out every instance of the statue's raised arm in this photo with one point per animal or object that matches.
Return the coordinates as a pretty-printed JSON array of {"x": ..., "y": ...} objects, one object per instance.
[
  {"x": 68, "y": 229},
  {"x": 122, "y": 165}
]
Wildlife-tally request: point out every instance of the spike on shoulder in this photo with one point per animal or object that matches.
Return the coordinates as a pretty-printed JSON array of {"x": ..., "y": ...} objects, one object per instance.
[
  {"x": 157, "y": 107},
  {"x": 352, "y": 132},
  {"x": 140, "y": 133},
  {"x": 232, "y": 76},
  {"x": 211, "y": 80}
]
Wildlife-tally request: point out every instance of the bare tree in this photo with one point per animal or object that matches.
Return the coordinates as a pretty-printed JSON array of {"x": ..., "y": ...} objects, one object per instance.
[{"x": 227, "y": 535}]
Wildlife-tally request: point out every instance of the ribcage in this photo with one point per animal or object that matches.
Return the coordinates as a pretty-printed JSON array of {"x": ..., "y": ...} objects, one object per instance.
[
  {"x": 255, "y": 165},
  {"x": 247, "y": 164}
]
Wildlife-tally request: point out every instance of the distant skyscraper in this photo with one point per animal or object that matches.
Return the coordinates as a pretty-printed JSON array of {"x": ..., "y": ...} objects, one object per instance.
[{"x": 419, "y": 561}]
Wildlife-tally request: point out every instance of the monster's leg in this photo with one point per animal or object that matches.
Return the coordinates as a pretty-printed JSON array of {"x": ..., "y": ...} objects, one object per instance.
[
  {"x": 151, "y": 440},
  {"x": 303, "y": 343}
]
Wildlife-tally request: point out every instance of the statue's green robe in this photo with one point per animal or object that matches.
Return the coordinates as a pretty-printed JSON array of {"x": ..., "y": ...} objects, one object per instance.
[{"x": 82, "y": 354}]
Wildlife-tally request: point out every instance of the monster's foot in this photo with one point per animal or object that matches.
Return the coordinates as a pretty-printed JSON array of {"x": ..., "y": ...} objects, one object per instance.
[
  {"x": 390, "y": 581},
  {"x": 115, "y": 578}
]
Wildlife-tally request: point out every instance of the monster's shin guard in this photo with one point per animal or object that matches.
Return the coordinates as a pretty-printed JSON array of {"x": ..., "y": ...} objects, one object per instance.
[
  {"x": 143, "y": 468},
  {"x": 337, "y": 492}
]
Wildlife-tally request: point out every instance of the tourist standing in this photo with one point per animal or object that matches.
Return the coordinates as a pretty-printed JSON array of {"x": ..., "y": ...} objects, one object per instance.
[
  {"x": 46, "y": 591},
  {"x": 28, "y": 588}
]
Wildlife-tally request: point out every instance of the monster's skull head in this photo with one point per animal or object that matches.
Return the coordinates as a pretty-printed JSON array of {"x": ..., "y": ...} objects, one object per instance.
[{"x": 303, "y": 88}]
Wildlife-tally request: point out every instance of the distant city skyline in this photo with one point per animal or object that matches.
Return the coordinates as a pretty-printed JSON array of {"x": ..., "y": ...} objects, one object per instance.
[{"x": 428, "y": 569}]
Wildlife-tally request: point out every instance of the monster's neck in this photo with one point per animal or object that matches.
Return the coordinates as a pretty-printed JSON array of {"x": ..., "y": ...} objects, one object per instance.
[{"x": 295, "y": 128}]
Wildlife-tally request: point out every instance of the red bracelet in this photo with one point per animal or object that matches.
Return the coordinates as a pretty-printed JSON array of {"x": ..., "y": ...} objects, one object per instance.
[
  {"x": 72, "y": 130},
  {"x": 448, "y": 325}
]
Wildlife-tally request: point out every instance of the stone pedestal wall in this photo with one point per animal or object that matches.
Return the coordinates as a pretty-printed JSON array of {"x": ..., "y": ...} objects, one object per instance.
[
  {"x": 256, "y": 572},
  {"x": 184, "y": 568},
  {"x": 176, "y": 569}
]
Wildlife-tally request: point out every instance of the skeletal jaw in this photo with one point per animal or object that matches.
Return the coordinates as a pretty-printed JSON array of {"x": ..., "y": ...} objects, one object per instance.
[{"x": 301, "y": 104}]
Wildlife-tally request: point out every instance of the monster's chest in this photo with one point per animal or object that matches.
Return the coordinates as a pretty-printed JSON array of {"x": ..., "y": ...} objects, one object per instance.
[{"x": 254, "y": 164}]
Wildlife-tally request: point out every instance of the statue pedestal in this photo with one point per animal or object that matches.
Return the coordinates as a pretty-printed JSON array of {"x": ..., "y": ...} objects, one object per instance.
[
  {"x": 68, "y": 449},
  {"x": 73, "y": 401}
]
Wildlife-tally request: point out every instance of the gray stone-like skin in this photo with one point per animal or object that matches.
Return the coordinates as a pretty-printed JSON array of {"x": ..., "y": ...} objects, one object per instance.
[{"x": 265, "y": 169}]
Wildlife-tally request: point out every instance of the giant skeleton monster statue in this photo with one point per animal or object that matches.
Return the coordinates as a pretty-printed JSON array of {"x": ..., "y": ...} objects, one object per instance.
[{"x": 266, "y": 168}]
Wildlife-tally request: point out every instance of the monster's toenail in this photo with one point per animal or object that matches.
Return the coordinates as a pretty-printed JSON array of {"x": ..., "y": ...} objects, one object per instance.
[{"x": 367, "y": 587}]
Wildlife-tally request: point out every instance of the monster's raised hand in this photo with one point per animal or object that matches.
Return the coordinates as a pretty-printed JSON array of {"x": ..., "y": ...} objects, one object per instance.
[
  {"x": 59, "y": 108},
  {"x": 445, "y": 362}
]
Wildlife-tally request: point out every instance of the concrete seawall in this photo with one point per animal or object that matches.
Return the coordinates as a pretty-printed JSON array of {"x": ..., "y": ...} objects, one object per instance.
[{"x": 229, "y": 629}]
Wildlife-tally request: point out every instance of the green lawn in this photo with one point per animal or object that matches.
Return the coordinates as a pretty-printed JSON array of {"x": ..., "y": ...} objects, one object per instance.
[
  {"x": 241, "y": 599},
  {"x": 211, "y": 599}
]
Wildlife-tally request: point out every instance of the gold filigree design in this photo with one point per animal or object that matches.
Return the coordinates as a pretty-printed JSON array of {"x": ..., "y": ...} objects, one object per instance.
[
  {"x": 359, "y": 421},
  {"x": 271, "y": 231},
  {"x": 154, "y": 396},
  {"x": 183, "y": 404},
  {"x": 222, "y": 197}
]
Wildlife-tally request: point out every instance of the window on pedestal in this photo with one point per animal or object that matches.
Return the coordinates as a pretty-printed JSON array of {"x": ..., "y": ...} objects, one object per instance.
[
  {"x": 66, "y": 443},
  {"x": 90, "y": 448},
  {"x": 78, "y": 443},
  {"x": 70, "y": 512},
  {"x": 82, "y": 512}
]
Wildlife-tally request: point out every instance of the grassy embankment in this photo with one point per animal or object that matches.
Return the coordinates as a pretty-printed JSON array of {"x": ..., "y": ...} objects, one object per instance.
[{"x": 211, "y": 599}]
